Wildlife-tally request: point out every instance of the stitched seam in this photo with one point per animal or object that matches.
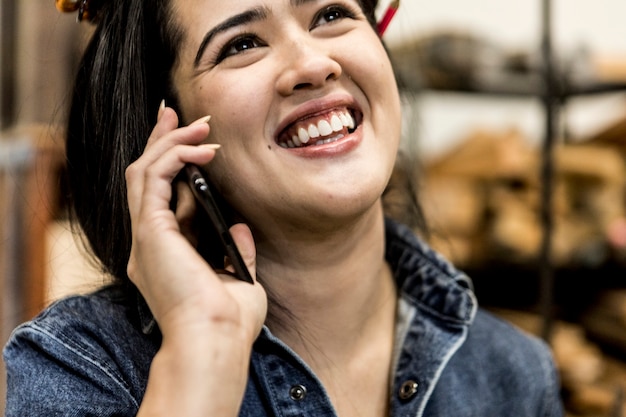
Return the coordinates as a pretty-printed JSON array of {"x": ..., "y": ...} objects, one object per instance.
[
  {"x": 83, "y": 354},
  {"x": 437, "y": 375}
]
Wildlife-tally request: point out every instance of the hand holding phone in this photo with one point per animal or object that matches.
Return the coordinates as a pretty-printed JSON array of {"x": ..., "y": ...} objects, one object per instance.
[{"x": 201, "y": 190}]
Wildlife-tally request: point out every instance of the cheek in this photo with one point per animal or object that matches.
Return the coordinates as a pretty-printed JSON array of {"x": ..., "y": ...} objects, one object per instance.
[
  {"x": 238, "y": 120},
  {"x": 231, "y": 98},
  {"x": 239, "y": 182},
  {"x": 236, "y": 104},
  {"x": 370, "y": 67}
]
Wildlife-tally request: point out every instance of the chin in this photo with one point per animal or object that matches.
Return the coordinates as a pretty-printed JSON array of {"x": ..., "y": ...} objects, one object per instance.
[{"x": 343, "y": 206}]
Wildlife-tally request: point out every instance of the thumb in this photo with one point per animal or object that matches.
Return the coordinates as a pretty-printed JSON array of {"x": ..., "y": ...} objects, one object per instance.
[{"x": 245, "y": 244}]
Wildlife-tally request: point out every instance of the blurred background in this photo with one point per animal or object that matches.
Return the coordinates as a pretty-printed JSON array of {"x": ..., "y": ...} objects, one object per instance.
[{"x": 515, "y": 113}]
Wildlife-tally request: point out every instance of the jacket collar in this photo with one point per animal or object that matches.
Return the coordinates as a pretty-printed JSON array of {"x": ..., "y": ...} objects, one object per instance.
[{"x": 426, "y": 280}]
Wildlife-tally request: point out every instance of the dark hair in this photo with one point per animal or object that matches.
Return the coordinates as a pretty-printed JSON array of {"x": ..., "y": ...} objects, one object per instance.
[{"x": 122, "y": 77}]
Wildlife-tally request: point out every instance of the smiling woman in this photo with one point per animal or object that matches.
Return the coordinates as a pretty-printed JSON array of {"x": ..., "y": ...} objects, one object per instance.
[{"x": 291, "y": 109}]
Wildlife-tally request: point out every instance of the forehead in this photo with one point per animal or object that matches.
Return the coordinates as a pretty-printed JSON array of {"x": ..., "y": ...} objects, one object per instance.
[
  {"x": 208, "y": 11},
  {"x": 220, "y": 8}
]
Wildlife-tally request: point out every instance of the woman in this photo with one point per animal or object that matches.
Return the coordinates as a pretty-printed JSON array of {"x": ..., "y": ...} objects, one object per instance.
[{"x": 350, "y": 314}]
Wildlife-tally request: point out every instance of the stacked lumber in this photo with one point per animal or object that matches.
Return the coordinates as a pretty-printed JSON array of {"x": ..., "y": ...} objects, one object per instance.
[{"x": 482, "y": 201}]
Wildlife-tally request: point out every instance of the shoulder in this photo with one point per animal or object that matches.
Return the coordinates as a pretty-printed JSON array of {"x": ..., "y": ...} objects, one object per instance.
[
  {"x": 86, "y": 349},
  {"x": 83, "y": 323},
  {"x": 500, "y": 366},
  {"x": 492, "y": 334},
  {"x": 505, "y": 350}
]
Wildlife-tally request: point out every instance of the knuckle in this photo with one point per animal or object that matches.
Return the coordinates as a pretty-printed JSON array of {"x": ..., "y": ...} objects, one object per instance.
[
  {"x": 131, "y": 171},
  {"x": 152, "y": 171},
  {"x": 131, "y": 268}
]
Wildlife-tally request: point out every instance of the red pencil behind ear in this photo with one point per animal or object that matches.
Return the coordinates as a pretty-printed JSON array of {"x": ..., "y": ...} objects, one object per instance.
[{"x": 387, "y": 17}]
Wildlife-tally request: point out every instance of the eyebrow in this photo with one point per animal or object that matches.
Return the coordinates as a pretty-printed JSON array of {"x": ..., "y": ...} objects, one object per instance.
[
  {"x": 249, "y": 16},
  {"x": 253, "y": 15},
  {"x": 296, "y": 3}
]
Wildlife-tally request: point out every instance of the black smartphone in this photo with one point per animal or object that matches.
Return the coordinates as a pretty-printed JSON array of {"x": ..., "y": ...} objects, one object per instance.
[{"x": 199, "y": 185}]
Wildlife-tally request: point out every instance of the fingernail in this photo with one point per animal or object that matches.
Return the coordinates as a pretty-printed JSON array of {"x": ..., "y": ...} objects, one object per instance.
[
  {"x": 161, "y": 109},
  {"x": 214, "y": 146},
  {"x": 204, "y": 119}
]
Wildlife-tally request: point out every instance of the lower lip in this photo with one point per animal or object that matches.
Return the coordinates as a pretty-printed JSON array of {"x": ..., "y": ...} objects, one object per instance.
[{"x": 336, "y": 148}]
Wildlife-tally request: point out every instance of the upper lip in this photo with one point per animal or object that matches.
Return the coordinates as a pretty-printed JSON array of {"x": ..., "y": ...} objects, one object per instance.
[{"x": 317, "y": 107}]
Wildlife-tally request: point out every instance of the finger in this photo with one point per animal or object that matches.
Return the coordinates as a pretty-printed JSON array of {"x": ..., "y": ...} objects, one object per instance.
[
  {"x": 150, "y": 203},
  {"x": 158, "y": 177},
  {"x": 167, "y": 120},
  {"x": 164, "y": 164},
  {"x": 245, "y": 244},
  {"x": 166, "y": 135},
  {"x": 185, "y": 211}
]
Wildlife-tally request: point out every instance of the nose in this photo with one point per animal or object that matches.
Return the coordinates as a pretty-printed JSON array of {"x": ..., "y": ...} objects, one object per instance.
[{"x": 306, "y": 65}]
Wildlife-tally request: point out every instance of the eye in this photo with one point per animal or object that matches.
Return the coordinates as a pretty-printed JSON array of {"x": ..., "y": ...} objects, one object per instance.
[
  {"x": 332, "y": 14},
  {"x": 238, "y": 45}
]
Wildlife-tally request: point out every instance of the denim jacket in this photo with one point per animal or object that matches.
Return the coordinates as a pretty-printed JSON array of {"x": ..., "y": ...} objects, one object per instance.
[{"x": 90, "y": 355}]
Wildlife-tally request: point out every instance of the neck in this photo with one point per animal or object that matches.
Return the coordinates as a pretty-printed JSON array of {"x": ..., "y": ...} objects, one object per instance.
[{"x": 337, "y": 289}]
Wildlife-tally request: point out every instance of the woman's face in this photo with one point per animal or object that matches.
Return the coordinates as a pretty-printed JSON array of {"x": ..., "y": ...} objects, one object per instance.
[{"x": 303, "y": 101}]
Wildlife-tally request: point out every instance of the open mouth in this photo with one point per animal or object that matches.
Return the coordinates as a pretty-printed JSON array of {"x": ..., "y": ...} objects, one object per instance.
[{"x": 321, "y": 129}]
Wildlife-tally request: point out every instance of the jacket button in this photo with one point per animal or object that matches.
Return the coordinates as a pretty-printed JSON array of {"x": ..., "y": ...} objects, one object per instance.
[
  {"x": 408, "y": 390},
  {"x": 297, "y": 392}
]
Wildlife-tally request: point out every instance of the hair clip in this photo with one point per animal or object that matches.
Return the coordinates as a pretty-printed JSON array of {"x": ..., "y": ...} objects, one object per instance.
[
  {"x": 387, "y": 17},
  {"x": 82, "y": 6}
]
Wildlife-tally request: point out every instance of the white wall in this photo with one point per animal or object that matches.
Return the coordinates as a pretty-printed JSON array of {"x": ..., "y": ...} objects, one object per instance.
[
  {"x": 596, "y": 23},
  {"x": 443, "y": 118}
]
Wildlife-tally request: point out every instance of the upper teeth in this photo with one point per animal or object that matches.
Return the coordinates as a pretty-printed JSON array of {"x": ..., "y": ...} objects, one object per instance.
[{"x": 323, "y": 128}]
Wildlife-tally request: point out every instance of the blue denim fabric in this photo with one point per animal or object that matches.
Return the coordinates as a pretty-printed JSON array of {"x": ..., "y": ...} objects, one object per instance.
[{"x": 90, "y": 355}]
